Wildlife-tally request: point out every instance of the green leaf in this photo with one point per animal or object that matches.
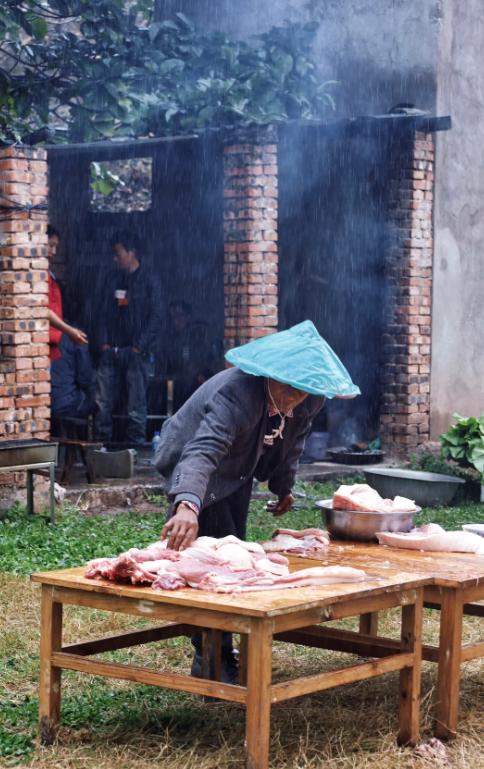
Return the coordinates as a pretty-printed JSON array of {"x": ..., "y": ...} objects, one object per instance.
[
  {"x": 39, "y": 26},
  {"x": 171, "y": 65},
  {"x": 477, "y": 456},
  {"x": 185, "y": 21}
]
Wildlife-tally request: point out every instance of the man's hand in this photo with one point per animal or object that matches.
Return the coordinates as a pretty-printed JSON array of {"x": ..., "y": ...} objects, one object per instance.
[
  {"x": 136, "y": 350},
  {"x": 182, "y": 529},
  {"x": 105, "y": 347},
  {"x": 281, "y": 506},
  {"x": 77, "y": 336}
]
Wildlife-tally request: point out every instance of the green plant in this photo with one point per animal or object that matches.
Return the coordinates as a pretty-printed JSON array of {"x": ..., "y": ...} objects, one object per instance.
[
  {"x": 464, "y": 442},
  {"x": 104, "y": 69}
]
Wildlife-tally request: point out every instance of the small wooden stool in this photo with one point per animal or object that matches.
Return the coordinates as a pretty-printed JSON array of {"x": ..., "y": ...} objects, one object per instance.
[{"x": 72, "y": 447}]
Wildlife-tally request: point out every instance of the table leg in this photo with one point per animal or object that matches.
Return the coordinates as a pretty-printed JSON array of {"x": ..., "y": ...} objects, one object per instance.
[
  {"x": 50, "y": 677},
  {"x": 259, "y": 679},
  {"x": 409, "y": 711},
  {"x": 206, "y": 654},
  {"x": 52, "y": 491},
  {"x": 30, "y": 492},
  {"x": 450, "y": 643},
  {"x": 369, "y": 623},
  {"x": 243, "y": 645}
]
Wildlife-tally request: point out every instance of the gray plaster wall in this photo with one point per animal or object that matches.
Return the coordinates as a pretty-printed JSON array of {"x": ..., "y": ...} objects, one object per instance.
[
  {"x": 382, "y": 51},
  {"x": 457, "y": 379}
]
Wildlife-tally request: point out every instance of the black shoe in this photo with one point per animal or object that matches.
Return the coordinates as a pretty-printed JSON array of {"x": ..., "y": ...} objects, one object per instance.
[
  {"x": 230, "y": 668},
  {"x": 229, "y": 673},
  {"x": 196, "y": 670}
]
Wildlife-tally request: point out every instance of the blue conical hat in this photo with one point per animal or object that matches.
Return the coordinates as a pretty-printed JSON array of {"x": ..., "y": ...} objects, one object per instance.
[{"x": 299, "y": 357}]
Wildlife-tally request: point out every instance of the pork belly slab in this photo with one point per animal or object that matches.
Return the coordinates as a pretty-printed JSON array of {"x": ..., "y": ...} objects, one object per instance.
[
  {"x": 434, "y": 538},
  {"x": 225, "y": 565},
  {"x": 306, "y": 542},
  {"x": 362, "y": 498}
]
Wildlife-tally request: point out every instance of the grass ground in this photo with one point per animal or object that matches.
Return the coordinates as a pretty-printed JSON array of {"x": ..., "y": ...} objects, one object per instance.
[{"x": 116, "y": 725}]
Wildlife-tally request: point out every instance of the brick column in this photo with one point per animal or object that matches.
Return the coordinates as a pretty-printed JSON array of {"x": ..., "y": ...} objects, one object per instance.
[
  {"x": 250, "y": 234},
  {"x": 405, "y": 413},
  {"x": 24, "y": 327}
]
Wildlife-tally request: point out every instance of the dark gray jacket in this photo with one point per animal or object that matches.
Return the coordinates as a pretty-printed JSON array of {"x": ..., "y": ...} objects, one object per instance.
[{"x": 213, "y": 444}]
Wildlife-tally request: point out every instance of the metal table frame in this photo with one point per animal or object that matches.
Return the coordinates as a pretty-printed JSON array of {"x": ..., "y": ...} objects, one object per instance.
[{"x": 41, "y": 468}]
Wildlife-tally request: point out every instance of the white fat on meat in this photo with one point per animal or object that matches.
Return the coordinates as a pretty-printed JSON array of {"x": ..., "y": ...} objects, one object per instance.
[
  {"x": 238, "y": 557},
  {"x": 251, "y": 547},
  {"x": 433, "y": 538},
  {"x": 362, "y": 498},
  {"x": 269, "y": 566},
  {"x": 306, "y": 542},
  {"x": 317, "y": 576}
]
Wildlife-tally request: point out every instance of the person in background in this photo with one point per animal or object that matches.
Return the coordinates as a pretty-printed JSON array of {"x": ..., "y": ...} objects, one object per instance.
[
  {"x": 72, "y": 381},
  {"x": 57, "y": 325},
  {"x": 129, "y": 325},
  {"x": 187, "y": 353},
  {"x": 246, "y": 422}
]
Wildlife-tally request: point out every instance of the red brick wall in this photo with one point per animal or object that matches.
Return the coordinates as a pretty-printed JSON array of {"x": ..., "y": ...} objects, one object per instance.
[
  {"x": 405, "y": 412},
  {"x": 24, "y": 328},
  {"x": 250, "y": 234}
]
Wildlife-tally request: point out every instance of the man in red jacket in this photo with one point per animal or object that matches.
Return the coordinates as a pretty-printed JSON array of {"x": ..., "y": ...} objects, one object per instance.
[{"x": 57, "y": 325}]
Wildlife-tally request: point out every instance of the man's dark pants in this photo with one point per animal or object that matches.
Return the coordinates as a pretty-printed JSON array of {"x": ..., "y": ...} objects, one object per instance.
[
  {"x": 229, "y": 516},
  {"x": 120, "y": 371}
]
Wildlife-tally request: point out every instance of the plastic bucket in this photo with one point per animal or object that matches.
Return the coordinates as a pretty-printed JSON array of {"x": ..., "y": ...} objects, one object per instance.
[{"x": 316, "y": 446}]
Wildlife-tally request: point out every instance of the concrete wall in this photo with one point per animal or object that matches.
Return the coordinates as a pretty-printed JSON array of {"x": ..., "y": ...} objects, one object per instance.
[
  {"x": 458, "y": 303},
  {"x": 382, "y": 51},
  {"x": 430, "y": 53}
]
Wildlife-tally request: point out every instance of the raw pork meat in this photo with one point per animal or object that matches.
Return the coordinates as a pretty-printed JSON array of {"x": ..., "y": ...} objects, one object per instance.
[
  {"x": 225, "y": 565},
  {"x": 363, "y": 498},
  {"x": 434, "y": 538},
  {"x": 307, "y": 542},
  {"x": 245, "y": 582}
]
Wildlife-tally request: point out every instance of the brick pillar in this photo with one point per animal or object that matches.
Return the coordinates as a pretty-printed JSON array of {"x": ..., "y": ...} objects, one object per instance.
[
  {"x": 250, "y": 234},
  {"x": 24, "y": 327},
  {"x": 405, "y": 413}
]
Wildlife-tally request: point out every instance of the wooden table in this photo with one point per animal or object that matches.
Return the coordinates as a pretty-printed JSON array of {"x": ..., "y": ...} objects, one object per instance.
[
  {"x": 258, "y": 617},
  {"x": 455, "y": 585}
]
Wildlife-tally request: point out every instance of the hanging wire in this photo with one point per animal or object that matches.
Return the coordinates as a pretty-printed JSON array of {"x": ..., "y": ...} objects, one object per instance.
[{"x": 6, "y": 211}]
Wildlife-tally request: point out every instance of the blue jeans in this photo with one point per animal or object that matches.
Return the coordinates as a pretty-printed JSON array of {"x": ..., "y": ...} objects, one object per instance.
[{"x": 121, "y": 370}]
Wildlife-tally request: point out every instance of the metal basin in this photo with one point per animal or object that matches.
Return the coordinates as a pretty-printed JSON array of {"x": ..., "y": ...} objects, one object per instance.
[
  {"x": 362, "y": 527},
  {"x": 27, "y": 452},
  {"x": 426, "y": 489}
]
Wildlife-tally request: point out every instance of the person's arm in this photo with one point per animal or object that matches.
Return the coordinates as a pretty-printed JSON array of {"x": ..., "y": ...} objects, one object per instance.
[
  {"x": 224, "y": 419},
  {"x": 283, "y": 477},
  {"x": 77, "y": 336}
]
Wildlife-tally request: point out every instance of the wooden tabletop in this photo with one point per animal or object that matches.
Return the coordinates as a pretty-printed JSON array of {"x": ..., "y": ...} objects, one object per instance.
[
  {"x": 445, "y": 569},
  {"x": 258, "y": 603}
]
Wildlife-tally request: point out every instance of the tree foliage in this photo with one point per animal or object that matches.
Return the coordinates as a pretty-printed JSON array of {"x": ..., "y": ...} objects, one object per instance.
[{"x": 95, "y": 70}]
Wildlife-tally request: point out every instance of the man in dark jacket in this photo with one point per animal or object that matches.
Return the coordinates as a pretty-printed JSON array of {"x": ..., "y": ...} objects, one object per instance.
[
  {"x": 128, "y": 328},
  {"x": 244, "y": 423}
]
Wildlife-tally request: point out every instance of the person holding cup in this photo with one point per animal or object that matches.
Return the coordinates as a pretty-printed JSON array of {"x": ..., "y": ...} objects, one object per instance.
[{"x": 128, "y": 330}]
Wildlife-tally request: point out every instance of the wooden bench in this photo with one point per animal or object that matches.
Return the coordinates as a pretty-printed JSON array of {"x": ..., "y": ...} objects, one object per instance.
[
  {"x": 74, "y": 447},
  {"x": 75, "y": 437}
]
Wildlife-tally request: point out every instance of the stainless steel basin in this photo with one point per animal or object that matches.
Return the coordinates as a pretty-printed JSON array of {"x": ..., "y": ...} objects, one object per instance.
[{"x": 363, "y": 526}]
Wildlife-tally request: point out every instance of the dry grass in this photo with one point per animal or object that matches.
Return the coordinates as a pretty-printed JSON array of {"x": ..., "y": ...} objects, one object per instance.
[{"x": 117, "y": 725}]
